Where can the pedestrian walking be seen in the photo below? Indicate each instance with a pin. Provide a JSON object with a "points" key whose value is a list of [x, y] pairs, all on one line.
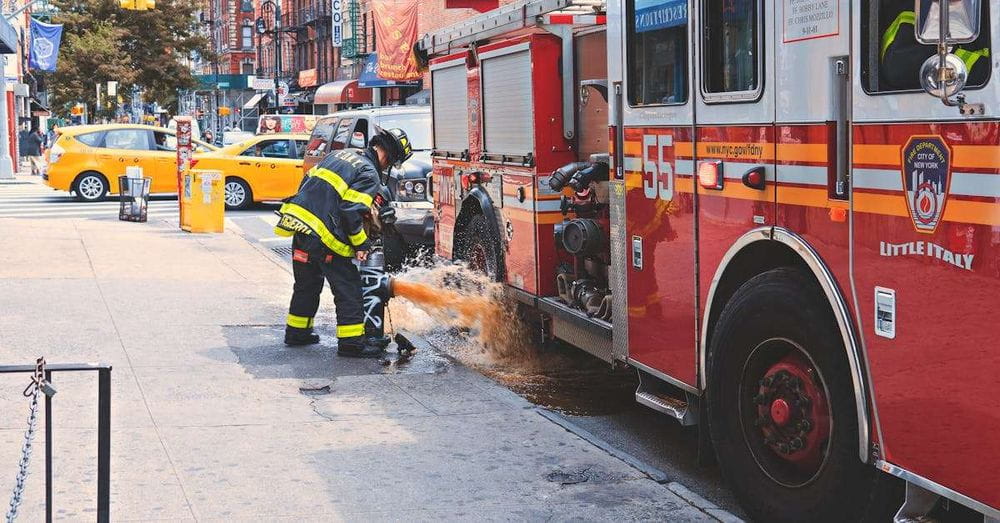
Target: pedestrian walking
{"points": [[209, 138], [53, 135], [33, 145], [326, 219]]}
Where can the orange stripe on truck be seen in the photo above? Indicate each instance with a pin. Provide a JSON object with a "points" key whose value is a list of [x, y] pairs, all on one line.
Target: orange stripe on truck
{"points": [[976, 156]]}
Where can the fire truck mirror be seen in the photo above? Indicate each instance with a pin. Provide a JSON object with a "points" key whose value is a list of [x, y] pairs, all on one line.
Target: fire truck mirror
{"points": [[943, 84], [961, 17]]}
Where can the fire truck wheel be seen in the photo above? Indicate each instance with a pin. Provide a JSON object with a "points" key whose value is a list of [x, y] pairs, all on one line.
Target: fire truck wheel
{"points": [[394, 247], [478, 247], [781, 404]]}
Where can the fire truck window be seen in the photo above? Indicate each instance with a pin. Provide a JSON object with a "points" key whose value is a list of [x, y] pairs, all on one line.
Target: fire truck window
{"points": [[657, 52], [892, 57], [732, 46]]}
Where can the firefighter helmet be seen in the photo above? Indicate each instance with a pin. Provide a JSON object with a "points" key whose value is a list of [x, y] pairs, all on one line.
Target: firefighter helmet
{"points": [[395, 143]]}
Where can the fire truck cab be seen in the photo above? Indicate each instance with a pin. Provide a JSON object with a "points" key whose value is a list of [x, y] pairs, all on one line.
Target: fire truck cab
{"points": [[784, 214]]}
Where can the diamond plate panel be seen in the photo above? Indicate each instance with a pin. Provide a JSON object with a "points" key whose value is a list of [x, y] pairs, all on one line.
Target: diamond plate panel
{"points": [[619, 271]]}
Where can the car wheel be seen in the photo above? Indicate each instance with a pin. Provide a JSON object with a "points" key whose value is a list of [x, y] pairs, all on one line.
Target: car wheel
{"points": [[781, 404], [478, 247], [90, 187], [238, 195]]}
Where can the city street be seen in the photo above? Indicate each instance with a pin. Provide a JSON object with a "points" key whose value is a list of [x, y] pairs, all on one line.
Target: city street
{"points": [[213, 418]]}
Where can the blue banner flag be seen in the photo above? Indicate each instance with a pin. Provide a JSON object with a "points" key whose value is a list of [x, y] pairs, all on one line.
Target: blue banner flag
{"points": [[45, 39], [651, 15]]}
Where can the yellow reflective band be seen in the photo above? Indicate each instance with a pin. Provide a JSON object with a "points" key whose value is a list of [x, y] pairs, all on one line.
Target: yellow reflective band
{"points": [[341, 186], [299, 213], [282, 232], [359, 238], [350, 331], [906, 17], [299, 322], [971, 57]]}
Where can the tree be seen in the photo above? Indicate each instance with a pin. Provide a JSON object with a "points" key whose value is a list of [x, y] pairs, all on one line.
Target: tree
{"points": [[148, 49], [86, 59]]}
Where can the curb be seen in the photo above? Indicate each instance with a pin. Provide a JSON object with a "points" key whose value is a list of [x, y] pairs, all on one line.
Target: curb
{"points": [[653, 473], [650, 471]]}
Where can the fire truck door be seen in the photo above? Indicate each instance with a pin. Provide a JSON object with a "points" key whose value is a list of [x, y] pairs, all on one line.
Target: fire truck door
{"points": [[812, 115], [926, 218], [735, 153], [658, 165]]}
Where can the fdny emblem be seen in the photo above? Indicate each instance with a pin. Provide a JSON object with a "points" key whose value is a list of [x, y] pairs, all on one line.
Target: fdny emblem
{"points": [[926, 180]]}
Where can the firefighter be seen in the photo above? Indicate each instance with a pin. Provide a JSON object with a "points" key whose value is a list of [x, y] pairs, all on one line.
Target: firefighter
{"points": [[900, 55], [326, 218]]}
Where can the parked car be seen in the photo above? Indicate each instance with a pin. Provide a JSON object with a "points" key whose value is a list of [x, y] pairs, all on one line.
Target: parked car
{"points": [[409, 184], [88, 159], [262, 168]]}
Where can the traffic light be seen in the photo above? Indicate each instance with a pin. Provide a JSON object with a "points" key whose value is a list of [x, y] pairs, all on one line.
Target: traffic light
{"points": [[224, 111], [137, 5], [76, 110]]}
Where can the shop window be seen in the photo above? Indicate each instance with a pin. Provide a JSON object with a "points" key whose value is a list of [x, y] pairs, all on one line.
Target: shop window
{"points": [[657, 43], [732, 49]]}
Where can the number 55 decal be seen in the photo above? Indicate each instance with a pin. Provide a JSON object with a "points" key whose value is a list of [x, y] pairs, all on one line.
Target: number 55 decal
{"points": [[658, 175]]}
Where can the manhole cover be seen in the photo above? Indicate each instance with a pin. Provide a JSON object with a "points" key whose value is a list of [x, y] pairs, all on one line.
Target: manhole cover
{"points": [[282, 251]]}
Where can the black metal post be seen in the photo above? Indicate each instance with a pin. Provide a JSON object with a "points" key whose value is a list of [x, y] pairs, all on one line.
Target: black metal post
{"points": [[104, 445], [48, 452], [103, 431], [277, 45]]}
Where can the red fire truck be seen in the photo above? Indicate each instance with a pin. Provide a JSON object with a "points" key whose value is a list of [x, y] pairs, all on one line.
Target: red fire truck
{"points": [[785, 224]]}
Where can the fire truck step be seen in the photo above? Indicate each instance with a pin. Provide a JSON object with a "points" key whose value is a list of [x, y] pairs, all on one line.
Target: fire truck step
{"points": [[668, 405]]}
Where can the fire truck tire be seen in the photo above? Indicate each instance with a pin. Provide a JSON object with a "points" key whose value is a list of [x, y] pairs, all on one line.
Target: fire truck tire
{"points": [[394, 247], [781, 406], [478, 247]]}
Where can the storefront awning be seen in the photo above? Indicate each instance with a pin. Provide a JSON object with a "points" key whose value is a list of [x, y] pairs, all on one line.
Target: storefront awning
{"points": [[342, 92], [254, 100]]}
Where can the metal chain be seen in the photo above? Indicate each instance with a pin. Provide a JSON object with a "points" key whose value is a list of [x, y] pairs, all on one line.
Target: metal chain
{"points": [[32, 390]]}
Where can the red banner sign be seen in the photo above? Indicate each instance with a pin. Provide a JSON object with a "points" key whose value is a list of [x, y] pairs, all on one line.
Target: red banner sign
{"points": [[395, 34], [479, 5]]}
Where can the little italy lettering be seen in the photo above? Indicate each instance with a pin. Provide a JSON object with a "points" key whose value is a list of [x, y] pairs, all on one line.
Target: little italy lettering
{"points": [[931, 250]]}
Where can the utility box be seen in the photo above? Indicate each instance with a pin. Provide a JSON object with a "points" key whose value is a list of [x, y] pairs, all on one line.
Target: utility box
{"points": [[202, 201]]}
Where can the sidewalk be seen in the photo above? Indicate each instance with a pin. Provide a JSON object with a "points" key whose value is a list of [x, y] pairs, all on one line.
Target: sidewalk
{"points": [[209, 419]]}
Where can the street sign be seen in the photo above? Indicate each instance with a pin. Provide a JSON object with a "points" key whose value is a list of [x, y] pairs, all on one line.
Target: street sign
{"points": [[338, 23], [263, 84], [282, 92]]}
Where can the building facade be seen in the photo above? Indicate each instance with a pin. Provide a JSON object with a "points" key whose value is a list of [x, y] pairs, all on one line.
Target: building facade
{"points": [[234, 40], [247, 35]]}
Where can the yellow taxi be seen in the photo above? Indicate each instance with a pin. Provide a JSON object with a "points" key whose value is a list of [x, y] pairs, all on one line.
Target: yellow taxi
{"points": [[88, 159], [267, 167]]}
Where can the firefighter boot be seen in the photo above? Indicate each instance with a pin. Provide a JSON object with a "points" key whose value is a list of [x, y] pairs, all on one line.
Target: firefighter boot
{"points": [[297, 337], [360, 350]]}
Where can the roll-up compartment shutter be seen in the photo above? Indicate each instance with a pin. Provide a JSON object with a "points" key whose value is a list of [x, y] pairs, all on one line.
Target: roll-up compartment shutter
{"points": [[508, 108], [450, 99]]}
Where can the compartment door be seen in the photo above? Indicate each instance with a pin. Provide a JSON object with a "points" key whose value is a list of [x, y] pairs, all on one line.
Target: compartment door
{"points": [[658, 168], [926, 218]]}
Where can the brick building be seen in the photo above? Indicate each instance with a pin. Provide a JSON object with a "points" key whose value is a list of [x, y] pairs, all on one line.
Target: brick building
{"points": [[308, 58], [231, 26]]}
